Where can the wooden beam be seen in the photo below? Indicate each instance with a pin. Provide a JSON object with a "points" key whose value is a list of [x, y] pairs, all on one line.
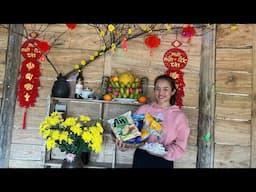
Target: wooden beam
{"points": [[206, 101], [12, 68], [253, 120]]}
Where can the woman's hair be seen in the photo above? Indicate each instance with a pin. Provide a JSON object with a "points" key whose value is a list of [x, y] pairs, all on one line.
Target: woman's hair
{"points": [[172, 84]]}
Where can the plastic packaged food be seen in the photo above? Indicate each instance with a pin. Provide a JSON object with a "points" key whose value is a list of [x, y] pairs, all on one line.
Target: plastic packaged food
{"points": [[123, 127]]}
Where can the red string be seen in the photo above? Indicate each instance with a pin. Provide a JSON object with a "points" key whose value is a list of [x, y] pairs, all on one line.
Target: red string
{"points": [[24, 119], [151, 52]]}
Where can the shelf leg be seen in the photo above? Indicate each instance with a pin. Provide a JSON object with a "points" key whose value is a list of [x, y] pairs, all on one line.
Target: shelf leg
{"points": [[114, 157]]}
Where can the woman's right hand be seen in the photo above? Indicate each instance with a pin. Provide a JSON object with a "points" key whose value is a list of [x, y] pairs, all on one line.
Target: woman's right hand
{"points": [[121, 146]]}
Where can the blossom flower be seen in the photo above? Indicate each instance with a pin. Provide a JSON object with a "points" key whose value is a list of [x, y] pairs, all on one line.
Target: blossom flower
{"points": [[73, 135]]}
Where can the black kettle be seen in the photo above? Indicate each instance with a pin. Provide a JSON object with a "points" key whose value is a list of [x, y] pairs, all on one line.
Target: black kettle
{"points": [[61, 87]]}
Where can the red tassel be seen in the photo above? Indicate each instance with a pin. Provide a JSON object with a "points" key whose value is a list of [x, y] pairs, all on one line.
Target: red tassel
{"points": [[24, 119]]}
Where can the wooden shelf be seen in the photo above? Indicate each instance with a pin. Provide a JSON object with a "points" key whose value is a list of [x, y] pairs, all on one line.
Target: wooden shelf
{"points": [[93, 101], [56, 163], [103, 110]]}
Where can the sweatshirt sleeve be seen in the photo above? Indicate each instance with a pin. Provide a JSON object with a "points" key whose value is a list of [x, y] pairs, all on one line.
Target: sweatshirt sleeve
{"points": [[177, 148]]}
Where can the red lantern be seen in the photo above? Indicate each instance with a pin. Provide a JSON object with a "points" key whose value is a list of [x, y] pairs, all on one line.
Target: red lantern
{"points": [[44, 46], [188, 31], [152, 41]]}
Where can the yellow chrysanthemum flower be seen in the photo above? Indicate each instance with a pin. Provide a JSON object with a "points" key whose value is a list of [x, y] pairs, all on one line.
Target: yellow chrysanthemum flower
{"points": [[85, 118], [50, 144], [73, 135], [76, 129]]}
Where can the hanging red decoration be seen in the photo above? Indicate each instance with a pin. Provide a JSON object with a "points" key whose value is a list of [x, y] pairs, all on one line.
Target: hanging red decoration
{"points": [[29, 82], [30, 50], [188, 31], [152, 41], [71, 26], [124, 44], [175, 58], [44, 46], [177, 75]]}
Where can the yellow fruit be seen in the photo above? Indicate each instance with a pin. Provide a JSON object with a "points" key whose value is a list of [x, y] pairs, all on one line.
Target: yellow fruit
{"points": [[137, 80], [126, 78], [115, 79]]}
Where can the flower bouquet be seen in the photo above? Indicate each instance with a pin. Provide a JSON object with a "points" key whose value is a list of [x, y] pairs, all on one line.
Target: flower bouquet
{"points": [[73, 135]]}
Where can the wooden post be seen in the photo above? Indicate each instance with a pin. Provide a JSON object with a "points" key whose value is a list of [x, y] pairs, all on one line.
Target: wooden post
{"points": [[206, 101], [12, 67], [253, 123]]}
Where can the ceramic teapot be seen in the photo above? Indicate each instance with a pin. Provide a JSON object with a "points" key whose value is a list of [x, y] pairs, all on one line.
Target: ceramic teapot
{"points": [[86, 93]]}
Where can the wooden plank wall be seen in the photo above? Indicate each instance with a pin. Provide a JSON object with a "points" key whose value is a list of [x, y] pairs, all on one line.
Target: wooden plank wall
{"points": [[138, 61], [27, 149], [234, 55], [70, 50]]}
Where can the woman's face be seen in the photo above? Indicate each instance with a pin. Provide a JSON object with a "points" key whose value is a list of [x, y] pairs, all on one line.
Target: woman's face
{"points": [[163, 91]]}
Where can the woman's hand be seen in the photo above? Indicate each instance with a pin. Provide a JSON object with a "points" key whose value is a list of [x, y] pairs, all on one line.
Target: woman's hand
{"points": [[121, 146]]}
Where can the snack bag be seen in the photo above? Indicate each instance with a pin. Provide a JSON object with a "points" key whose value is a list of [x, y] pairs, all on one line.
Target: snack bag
{"points": [[151, 125], [138, 120], [123, 127]]}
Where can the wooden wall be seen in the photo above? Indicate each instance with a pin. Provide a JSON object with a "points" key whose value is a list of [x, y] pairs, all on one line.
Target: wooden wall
{"points": [[234, 87]]}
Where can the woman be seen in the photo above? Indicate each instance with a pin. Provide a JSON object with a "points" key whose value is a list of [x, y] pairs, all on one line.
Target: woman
{"points": [[175, 130]]}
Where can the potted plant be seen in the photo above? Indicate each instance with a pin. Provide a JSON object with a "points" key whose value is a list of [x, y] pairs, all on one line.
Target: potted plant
{"points": [[74, 135]]}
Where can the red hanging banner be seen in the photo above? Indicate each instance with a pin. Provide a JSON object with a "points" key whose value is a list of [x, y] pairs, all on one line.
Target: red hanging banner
{"points": [[29, 82], [176, 59]]}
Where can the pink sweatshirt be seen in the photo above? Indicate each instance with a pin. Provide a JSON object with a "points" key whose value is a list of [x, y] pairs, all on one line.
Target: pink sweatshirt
{"points": [[175, 129]]}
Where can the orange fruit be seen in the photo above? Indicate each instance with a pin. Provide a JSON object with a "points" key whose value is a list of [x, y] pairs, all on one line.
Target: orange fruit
{"points": [[107, 97], [142, 99]]}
